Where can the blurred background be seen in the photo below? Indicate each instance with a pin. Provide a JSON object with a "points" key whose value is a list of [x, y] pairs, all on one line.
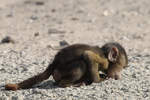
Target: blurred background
{"points": [[77, 21]]}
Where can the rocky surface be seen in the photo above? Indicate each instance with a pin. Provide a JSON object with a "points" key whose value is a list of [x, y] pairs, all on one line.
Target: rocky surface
{"points": [[39, 28]]}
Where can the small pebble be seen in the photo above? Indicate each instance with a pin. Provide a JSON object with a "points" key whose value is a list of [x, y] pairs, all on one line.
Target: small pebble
{"points": [[63, 43], [39, 3], [27, 2], [106, 13], [74, 19], [53, 10], [55, 31], [7, 39], [36, 34], [9, 15], [34, 17]]}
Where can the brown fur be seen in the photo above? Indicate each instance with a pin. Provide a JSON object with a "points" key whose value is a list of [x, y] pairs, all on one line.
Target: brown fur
{"points": [[80, 64], [69, 67]]}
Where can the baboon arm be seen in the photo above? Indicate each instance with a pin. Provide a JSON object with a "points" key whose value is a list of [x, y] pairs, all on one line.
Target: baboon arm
{"points": [[95, 57], [93, 61]]}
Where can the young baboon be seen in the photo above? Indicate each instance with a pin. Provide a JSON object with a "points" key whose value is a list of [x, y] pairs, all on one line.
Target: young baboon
{"points": [[78, 64], [71, 66]]}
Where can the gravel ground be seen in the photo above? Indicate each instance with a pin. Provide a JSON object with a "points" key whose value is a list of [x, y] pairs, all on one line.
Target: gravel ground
{"points": [[40, 27]]}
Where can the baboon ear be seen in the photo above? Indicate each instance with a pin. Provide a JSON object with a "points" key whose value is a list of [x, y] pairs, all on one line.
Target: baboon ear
{"points": [[113, 54]]}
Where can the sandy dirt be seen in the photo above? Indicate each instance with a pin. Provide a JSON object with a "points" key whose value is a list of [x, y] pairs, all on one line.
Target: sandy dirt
{"points": [[38, 27]]}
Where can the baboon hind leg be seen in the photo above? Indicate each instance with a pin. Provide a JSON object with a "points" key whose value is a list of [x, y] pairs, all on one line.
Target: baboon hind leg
{"points": [[74, 75]]}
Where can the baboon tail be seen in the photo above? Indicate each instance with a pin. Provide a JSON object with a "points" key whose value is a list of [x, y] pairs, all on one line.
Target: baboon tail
{"points": [[31, 81]]}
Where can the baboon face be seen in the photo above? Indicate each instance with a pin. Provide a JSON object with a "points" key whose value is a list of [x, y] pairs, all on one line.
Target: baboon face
{"points": [[114, 73]]}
